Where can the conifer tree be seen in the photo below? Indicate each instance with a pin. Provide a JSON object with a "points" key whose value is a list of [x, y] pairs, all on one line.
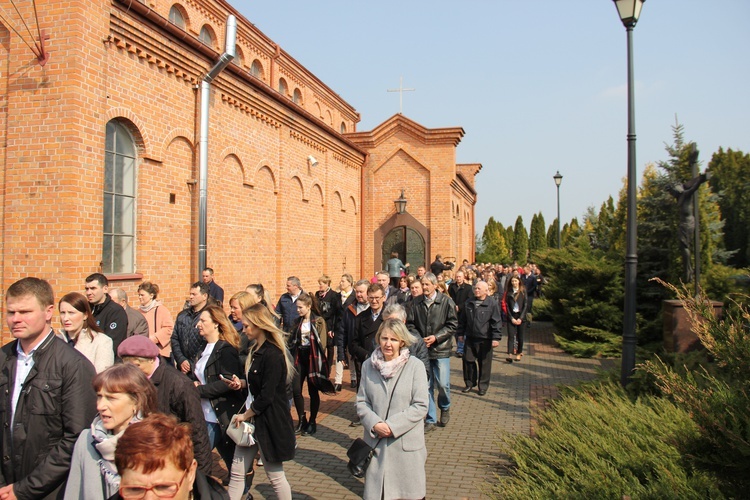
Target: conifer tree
{"points": [[552, 235], [537, 236], [520, 242], [731, 181]]}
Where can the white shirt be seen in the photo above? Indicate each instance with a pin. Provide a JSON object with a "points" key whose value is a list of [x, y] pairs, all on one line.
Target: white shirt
{"points": [[200, 373], [305, 331], [23, 367]]}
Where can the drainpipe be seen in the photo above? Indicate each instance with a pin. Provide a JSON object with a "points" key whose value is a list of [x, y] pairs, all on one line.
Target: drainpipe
{"points": [[224, 60]]}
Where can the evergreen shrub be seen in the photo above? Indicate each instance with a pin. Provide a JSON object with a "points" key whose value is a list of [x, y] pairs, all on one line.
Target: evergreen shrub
{"points": [[595, 442]]}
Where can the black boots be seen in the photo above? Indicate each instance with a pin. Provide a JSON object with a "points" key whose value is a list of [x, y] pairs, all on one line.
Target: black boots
{"points": [[311, 428], [301, 425]]}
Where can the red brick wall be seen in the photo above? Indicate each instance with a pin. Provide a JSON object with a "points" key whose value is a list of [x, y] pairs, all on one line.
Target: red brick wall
{"points": [[270, 214]]}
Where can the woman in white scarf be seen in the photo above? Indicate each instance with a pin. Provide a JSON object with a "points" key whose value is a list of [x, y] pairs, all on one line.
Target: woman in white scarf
{"points": [[392, 404], [123, 396]]}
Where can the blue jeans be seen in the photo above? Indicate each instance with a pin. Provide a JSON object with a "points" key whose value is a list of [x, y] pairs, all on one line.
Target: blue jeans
{"points": [[224, 445], [440, 372]]}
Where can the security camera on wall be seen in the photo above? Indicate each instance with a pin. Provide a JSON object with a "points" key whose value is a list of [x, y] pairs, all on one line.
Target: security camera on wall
{"points": [[313, 162]]}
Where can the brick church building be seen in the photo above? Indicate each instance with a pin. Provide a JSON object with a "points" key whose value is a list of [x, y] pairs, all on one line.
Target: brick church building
{"points": [[100, 157]]}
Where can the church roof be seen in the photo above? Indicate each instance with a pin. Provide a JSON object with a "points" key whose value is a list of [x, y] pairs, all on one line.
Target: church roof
{"points": [[400, 123]]}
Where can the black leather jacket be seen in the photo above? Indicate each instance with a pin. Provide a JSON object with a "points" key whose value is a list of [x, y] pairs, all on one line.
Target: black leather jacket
{"points": [[439, 320], [56, 403], [481, 320]]}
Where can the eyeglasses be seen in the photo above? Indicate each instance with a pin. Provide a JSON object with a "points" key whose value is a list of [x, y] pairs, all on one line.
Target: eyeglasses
{"points": [[161, 490], [377, 299]]}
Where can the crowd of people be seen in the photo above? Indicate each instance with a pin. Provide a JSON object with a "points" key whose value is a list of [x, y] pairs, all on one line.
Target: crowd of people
{"points": [[123, 401]]}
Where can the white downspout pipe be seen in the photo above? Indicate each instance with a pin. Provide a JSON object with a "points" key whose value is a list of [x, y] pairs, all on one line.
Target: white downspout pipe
{"points": [[224, 60]]}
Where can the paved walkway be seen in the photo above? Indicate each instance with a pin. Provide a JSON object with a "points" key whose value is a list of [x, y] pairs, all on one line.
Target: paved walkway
{"points": [[460, 455]]}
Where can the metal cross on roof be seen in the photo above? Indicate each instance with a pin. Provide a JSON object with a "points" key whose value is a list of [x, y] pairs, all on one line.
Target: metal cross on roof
{"points": [[401, 91]]}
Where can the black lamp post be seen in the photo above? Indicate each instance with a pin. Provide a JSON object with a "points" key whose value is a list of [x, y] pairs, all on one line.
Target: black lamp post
{"points": [[558, 181], [400, 203], [629, 11]]}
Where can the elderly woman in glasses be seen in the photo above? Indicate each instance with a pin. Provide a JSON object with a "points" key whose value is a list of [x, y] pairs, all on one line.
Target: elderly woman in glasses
{"points": [[154, 458]]}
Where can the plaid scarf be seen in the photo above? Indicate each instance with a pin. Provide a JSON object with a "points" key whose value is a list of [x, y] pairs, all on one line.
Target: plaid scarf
{"points": [[318, 369]]}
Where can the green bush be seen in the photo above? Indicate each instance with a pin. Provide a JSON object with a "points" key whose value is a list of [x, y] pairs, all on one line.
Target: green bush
{"points": [[596, 443], [584, 299], [542, 309], [716, 393]]}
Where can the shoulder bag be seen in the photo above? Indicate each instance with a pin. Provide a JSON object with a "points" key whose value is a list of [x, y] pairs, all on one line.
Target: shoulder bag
{"points": [[242, 435], [360, 453]]}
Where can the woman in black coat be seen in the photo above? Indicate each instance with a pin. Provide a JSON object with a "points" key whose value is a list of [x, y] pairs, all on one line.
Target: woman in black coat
{"points": [[220, 358], [268, 374], [515, 302]]}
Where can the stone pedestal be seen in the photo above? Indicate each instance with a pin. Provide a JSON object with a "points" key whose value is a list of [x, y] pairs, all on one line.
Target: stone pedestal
{"points": [[678, 337]]}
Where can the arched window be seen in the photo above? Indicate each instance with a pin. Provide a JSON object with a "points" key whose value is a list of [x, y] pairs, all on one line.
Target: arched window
{"points": [[256, 69], [176, 17], [207, 36], [297, 97], [118, 251], [239, 57], [283, 87], [342, 129]]}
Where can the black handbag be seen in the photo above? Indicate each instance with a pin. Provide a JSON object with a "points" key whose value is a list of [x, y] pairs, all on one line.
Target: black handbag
{"points": [[360, 453]]}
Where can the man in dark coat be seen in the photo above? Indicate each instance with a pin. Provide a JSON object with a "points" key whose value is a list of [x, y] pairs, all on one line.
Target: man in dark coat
{"points": [[328, 303], [214, 290], [46, 396], [439, 266], [367, 323], [481, 327], [460, 292], [176, 394], [187, 343], [110, 317], [349, 325], [433, 317]]}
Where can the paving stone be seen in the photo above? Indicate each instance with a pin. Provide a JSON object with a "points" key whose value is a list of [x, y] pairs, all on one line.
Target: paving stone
{"points": [[462, 457]]}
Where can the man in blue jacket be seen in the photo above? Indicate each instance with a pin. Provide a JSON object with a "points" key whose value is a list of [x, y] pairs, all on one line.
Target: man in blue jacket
{"points": [[287, 307]]}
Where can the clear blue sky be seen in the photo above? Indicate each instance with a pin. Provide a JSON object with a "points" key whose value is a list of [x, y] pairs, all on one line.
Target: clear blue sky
{"points": [[538, 86]]}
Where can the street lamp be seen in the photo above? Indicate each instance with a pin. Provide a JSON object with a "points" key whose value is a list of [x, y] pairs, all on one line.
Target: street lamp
{"points": [[629, 11], [558, 181], [400, 204]]}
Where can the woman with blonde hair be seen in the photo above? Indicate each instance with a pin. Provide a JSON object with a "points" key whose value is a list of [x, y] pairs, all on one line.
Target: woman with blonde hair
{"points": [[219, 360], [392, 404], [238, 303], [268, 373], [80, 329]]}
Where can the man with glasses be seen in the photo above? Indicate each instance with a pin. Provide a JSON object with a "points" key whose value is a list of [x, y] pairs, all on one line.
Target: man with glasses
{"points": [[367, 323], [433, 317]]}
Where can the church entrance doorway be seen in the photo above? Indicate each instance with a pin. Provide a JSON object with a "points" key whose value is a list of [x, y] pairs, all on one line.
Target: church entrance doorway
{"points": [[409, 245]]}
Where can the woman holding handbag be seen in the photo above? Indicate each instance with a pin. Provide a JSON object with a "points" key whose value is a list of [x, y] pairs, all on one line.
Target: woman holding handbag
{"points": [[269, 372], [392, 404]]}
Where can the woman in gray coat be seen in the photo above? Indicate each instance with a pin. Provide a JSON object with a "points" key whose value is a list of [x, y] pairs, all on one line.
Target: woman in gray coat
{"points": [[397, 469]]}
